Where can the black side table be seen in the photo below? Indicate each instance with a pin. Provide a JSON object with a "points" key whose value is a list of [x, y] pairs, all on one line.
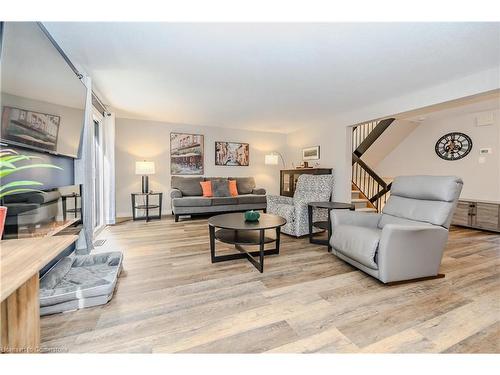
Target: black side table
{"points": [[74, 210], [324, 224], [146, 206]]}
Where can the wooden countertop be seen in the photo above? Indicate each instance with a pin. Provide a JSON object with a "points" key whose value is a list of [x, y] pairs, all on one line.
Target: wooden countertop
{"points": [[21, 259]]}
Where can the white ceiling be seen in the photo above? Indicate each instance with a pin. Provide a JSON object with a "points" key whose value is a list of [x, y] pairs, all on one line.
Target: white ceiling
{"points": [[490, 103], [32, 68], [273, 77]]}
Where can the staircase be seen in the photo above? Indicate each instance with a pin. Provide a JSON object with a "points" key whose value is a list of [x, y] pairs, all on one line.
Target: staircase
{"points": [[360, 201], [369, 190]]}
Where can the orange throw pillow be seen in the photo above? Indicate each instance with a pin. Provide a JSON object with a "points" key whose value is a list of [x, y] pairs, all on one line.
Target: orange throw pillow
{"points": [[206, 186], [232, 188]]}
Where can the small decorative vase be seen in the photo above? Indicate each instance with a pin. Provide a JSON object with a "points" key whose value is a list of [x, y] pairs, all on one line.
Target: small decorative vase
{"points": [[252, 216]]}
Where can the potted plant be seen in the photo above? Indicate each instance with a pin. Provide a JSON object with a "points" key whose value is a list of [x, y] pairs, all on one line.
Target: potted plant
{"points": [[9, 160]]}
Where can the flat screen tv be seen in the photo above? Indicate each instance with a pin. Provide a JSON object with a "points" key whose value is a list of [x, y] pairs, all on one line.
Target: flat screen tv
{"points": [[42, 99]]}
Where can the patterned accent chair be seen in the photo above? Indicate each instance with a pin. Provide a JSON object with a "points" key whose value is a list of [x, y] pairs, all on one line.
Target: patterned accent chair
{"points": [[310, 188]]}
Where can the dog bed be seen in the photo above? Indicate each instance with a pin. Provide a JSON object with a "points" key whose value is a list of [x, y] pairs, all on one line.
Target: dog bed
{"points": [[80, 281]]}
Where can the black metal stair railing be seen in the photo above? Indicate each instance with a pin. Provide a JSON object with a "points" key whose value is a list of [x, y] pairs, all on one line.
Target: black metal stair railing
{"points": [[369, 183]]}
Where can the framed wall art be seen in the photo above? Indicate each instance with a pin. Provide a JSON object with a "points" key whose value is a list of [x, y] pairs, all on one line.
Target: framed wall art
{"points": [[186, 154], [232, 154], [310, 153]]}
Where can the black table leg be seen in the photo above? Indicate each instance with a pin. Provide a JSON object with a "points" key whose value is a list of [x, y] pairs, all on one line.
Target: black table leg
{"points": [[251, 256], [211, 229], [76, 208], [278, 234], [329, 231], [261, 249], [64, 207], [147, 208], [133, 207], [159, 204], [310, 218]]}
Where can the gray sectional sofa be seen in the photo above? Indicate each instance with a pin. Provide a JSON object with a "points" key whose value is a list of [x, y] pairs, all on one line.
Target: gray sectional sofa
{"points": [[29, 210], [187, 197]]}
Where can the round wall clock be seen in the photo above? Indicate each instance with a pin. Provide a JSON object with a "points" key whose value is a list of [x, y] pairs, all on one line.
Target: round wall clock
{"points": [[453, 146]]}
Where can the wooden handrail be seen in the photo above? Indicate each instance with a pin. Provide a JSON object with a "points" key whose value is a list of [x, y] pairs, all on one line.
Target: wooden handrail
{"points": [[369, 183], [370, 171], [381, 193], [373, 136]]}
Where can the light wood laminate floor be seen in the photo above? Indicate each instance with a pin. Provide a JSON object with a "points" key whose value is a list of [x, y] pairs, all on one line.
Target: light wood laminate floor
{"points": [[170, 298]]}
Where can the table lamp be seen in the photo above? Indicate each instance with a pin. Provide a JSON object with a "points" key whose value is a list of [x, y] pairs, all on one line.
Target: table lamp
{"points": [[145, 168]]}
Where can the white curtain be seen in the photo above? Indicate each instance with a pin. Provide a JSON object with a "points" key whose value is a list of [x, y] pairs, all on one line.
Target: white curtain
{"points": [[84, 168], [109, 168]]}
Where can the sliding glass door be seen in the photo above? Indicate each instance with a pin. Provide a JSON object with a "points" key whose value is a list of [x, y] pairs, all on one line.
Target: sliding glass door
{"points": [[98, 175]]}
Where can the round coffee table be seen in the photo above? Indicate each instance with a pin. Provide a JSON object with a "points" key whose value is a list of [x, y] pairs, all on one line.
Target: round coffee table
{"points": [[233, 229]]}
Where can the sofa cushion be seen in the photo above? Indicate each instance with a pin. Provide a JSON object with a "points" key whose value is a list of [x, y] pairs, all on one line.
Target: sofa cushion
{"points": [[260, 191], [357, 243], [44, 197], [36, 197], [389, 219], [189, 186], [192, 202], [220, 188], [215, 178], [16, 198], [433, 212], [14, 209], [245, 185], [233, 189], [206, 187], [429, 199], [221, 201], [431, 188], [251, 198]]}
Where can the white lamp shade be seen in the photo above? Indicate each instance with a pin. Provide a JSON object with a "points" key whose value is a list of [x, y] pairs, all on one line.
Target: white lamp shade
{"points": [[144, 167], [271, 159]]}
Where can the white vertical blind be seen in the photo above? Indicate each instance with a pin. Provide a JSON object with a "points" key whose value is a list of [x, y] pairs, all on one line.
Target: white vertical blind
{"points": [[109, 168], [84, 168]]}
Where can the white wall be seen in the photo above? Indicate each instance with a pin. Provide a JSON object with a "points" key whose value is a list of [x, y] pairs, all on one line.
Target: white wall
{"points": [[388, 141], [416, 155], [333, 137], [149, 140], [335, 152], [138, 139]]}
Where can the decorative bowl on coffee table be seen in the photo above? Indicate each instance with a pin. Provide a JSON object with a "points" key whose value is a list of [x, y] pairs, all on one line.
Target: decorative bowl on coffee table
{"points": [[252, 215]]}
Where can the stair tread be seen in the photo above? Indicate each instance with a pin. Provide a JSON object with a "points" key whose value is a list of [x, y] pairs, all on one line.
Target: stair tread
{"points": [[366, 209], [359, 200]]}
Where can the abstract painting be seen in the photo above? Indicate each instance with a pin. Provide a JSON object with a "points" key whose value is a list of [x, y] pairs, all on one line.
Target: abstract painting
{"points": [[232, 154]]}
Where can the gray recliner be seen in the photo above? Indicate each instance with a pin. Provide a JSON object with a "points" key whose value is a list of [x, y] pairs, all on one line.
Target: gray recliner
{"points": [[405, 241]]}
